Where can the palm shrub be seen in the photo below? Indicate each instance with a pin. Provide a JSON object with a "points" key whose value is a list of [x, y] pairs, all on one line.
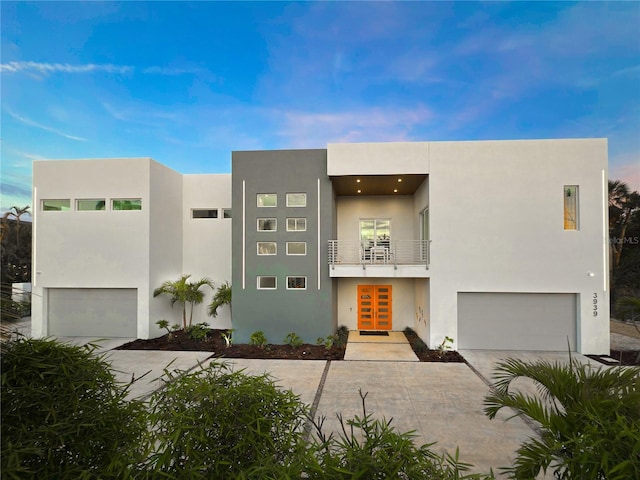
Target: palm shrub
{"points": [[184, 292], [218, 423], [63, 414], [588, 419], [220, 298]]}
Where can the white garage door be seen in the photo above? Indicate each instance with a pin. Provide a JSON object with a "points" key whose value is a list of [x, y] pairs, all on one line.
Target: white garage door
{"points": [[517, 321], [93, 312]]}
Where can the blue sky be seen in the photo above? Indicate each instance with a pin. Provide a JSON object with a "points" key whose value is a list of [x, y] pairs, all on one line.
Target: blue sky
{"points": [[187, 83]]}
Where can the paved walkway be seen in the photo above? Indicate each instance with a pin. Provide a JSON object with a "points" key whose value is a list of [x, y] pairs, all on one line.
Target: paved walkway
{"points": [[391, 347]]}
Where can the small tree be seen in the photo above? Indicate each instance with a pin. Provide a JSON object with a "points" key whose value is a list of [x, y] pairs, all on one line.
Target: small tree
{"points": [[221, 297], [184, 292]]}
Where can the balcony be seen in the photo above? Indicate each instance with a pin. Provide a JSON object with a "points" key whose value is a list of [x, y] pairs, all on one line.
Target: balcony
{"points": [[399, 258]]}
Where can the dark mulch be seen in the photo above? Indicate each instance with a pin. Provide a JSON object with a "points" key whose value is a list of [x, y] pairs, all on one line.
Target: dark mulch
{"points": [[627, 358], [215, 344]]}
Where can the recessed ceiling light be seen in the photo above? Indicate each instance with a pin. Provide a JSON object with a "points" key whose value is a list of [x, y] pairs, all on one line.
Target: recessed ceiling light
{"points": [[399, 180], [358, 180], [395, 190], [359, 191]]}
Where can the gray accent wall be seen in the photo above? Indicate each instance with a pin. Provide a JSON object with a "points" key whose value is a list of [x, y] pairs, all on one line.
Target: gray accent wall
{"points": [[310, 313]]}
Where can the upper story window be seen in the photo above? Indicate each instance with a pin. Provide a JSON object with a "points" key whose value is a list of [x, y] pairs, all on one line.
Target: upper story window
{"points": [[126, 204], [296, 248], [296, 283], [226, 213], [204, 213], [56, 205], [267, 200], [267, 282], [267, 248], [85, 205], [296, 224], [267, 224], [296, 199], [571, 207]]}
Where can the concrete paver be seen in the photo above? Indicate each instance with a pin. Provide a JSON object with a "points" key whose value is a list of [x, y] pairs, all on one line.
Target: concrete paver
{"points": [[392, 347]]}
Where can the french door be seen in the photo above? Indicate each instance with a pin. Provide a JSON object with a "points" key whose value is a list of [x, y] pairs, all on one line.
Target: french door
{"points": [[374, 307]]}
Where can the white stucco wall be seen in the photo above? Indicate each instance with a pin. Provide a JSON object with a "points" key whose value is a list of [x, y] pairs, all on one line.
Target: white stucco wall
{"points": [[399, 209], [207, 241], [90, 249], [377, 158], [165, 245], [496, 211]]}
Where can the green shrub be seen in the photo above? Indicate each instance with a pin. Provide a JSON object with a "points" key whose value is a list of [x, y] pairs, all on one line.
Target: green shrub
{"points": [[63, 415], [258, 339], [215, 423], [293, 339], [341, 336], [371, 449], [198, 331], [589, 419]]}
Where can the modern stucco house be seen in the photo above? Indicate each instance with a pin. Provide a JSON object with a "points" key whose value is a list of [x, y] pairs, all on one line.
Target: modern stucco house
{"points": [[497, 244]]}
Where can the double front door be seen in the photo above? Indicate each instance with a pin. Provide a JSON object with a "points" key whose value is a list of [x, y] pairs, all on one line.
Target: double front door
{"points": [[374, 307]]}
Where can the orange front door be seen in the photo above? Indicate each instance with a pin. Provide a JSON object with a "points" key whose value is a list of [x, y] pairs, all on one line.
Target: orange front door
{"points": [[374, 307]]}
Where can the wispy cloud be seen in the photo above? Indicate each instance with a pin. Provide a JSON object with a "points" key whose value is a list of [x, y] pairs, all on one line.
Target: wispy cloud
{"points": [[32, 123], [41, 68], [49, 68]]}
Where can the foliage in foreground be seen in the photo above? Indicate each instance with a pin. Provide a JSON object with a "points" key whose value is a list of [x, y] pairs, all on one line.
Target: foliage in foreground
{"points": [[218, 423], [63, 415], [589, 419]]}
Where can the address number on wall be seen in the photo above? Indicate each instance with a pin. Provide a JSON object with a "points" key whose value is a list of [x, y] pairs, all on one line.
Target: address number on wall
{"points": [[595, 304]]}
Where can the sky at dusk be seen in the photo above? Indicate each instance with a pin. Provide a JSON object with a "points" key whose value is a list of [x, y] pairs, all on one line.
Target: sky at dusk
{"points": [[188, 83]]}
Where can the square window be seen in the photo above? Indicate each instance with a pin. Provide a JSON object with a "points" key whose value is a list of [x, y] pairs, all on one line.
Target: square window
{"points": [[296, 283], [296, 199], [56, 205], [296, 248], [267, 282], [296, 224], [226, 213], [267, 224], [204, 213], [267, 200], [267, 248], [87, 205], [126, 204], [571, 207]]}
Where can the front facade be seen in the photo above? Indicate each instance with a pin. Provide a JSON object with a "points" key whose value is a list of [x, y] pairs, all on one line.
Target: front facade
{"points": [[496, 244]]}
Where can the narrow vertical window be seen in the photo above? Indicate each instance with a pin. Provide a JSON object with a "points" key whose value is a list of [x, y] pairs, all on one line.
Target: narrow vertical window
{"points": [[571, 207]]}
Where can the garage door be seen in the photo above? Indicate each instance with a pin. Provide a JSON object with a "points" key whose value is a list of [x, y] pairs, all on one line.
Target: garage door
{"points": [[517, 321], [93, 312]]}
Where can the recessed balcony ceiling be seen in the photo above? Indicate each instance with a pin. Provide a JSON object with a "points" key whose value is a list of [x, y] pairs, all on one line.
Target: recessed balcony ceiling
{"points": [[353, 185]]}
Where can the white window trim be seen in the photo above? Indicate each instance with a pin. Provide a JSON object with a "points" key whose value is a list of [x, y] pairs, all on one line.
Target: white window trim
{"points": [[296, 193], [266, 254], [266, 206], [297, 276], [297, 254], [275, 223], [296, 219], [266, 288]]}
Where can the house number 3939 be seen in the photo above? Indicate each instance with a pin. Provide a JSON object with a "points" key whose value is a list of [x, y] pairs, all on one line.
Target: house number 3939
{"points": [[595, 304]]}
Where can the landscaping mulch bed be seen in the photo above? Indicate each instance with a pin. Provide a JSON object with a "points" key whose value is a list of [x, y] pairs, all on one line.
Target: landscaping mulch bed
{"points": [[627, 358], [214, 343]]}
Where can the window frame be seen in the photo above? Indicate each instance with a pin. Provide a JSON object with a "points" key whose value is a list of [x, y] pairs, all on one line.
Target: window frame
{"points": [[275, 224], [291, 195], [227, 213], [571, 206], [260, 277], [274, 195], [62, 207], [295, 219], [296, 254], [94, 200], [275, 244], [296, 276], [193, 210], [129, 199]]}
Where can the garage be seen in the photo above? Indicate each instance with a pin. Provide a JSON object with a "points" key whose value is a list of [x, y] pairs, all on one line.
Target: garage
{"points": [[517, 321], [92, 312]]}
